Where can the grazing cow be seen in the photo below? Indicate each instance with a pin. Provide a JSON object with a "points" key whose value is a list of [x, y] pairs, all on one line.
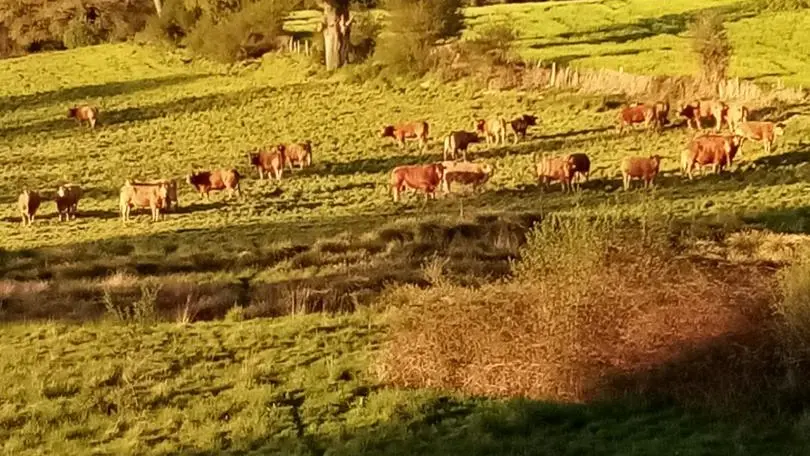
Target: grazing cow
{"points": [[67, 201], [459, 141], [417, 177], [645, 168], [493, 129], [735, 115], [28, 203], [698, 110], [265, 161], [554, 169], [218, 179], [84, 113], [300, 153], [580, 166], [521, 124], [662, 113], [171, 190], [475, 174], [152, 196], [638, 113], [764, 132], [408, 130], [715, 150]]}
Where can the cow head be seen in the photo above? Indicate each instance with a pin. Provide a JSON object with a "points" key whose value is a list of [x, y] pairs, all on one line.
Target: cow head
{"points": [[656, 161], [487, 169], [253, 158], [163, 194], [191, 178], [779, 129], [480, 125], [72, 112], [439, 168], [530, 120], [61, 191], [281, 148], [387, 131]]}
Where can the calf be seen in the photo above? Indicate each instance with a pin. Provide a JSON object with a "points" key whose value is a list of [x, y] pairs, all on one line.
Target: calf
{"points": [[736, 114], [636, 114], [493, 129], [171, 190], [459, 141], [67, 201], [580, 166], [409, 130], [152, 196], [645, 168], [28, 203], [521, 124], [764, 132], [300, 153], [467, 173], [715, 150], [265, 161], [218, 179], [417, 177], [84, 113], [554, 169], [698, 110]]}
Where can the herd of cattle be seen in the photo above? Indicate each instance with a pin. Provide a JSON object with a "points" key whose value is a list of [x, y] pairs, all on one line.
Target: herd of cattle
{"points": [[713, 149]]}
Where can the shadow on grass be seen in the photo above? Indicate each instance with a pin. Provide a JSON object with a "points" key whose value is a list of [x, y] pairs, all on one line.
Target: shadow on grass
{"points": [[76, 94]]}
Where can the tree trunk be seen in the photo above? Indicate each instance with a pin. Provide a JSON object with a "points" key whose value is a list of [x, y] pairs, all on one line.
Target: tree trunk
{"points": [[337, 24], [159, 7]]}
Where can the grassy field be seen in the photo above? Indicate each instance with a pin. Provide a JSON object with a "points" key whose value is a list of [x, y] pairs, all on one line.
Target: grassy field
{"points": [[329, 238]]}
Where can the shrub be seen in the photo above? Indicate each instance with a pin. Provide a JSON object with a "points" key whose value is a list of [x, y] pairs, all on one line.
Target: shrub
{"points": [[80, 33], [414, 27], [794, 310], [495, 42], [365, 32], [175, 23], [784, 5], [710, 42]]}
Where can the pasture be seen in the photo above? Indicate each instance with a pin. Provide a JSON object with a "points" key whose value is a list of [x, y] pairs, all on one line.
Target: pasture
{"points": [[330, 238]]}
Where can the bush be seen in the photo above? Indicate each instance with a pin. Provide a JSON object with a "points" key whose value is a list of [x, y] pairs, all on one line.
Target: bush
{"points": [[175, 23], [79, 33], [794, 310], [414, 28], [710, 42], [365, 32], [495, 42], [784, 5]]}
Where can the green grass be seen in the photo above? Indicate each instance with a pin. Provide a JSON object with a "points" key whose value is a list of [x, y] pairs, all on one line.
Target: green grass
{"points": [[303, 386]]}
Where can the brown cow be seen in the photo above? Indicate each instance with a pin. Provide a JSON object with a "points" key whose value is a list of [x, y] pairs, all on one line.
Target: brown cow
{"points": [[698, 110], [493, 129], [417, 177], [218, 179], [638, 113], [715, 150], [662, 113], [475, 174], [521, 124], [580, 166], [764, 132], [408, 130], [265, 161], [554, 169], [67, 201], [300, 153], [645, 168], [84, 113], [171, 190], [152, 196], [459, 141], [28, 203], [735, 115]]}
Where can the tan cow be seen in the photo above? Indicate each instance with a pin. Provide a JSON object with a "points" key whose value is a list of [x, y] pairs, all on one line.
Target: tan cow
{"points": [[764, 132], [551, 169], [637, 114], [493, 129], [459, 141], [717, 151], [67, 201], [84, 113], [475, 174], [218, 179], [272, 161], [171, 190], [300, 153], [152, 196], [644, 168], [28, 203], [736, 114], [698, 110], [409, 130], [417, 177]]}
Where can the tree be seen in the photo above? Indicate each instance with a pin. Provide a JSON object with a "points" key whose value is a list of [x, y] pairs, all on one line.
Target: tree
{"points": [[710, 42], [158, 7], [336, 27]]}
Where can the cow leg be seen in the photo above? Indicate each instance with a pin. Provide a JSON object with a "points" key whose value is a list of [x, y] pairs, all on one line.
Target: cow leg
{"points": [[626, 182]]}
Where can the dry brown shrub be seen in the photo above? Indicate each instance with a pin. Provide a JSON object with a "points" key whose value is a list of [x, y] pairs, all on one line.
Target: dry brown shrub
{"points": [[593, 309]]}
